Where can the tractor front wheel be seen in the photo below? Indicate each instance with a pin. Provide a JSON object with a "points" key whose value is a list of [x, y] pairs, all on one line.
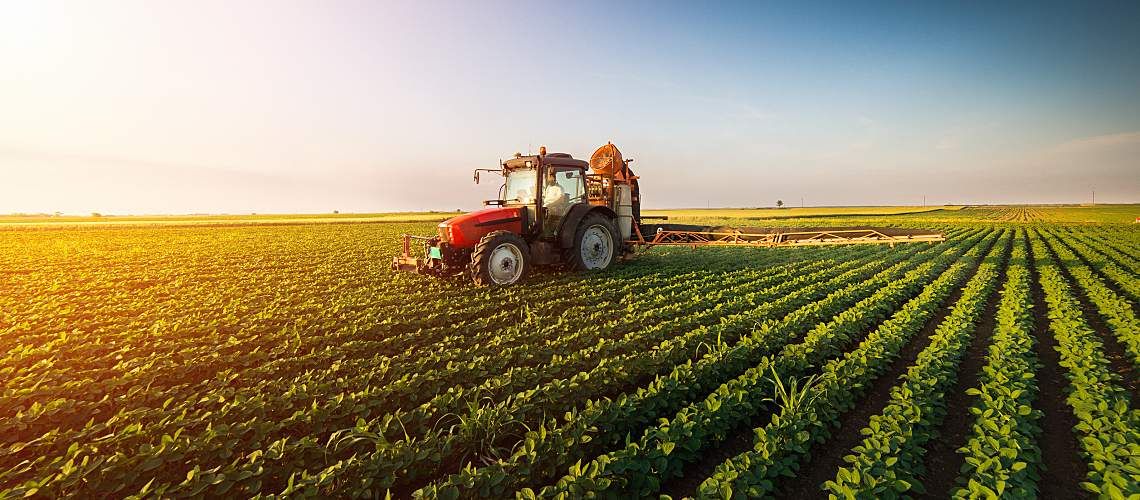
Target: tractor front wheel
{"points": [[500, 258]]}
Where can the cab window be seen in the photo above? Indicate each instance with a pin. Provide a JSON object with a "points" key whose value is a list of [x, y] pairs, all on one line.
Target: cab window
{"points": [[572, 184]]}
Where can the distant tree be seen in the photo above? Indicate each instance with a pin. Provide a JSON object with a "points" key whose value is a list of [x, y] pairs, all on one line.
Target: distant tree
{"points": [[96, 214], [336, 211], [779, 203]]}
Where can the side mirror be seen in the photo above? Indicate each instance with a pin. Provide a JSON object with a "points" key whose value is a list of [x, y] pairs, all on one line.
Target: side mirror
{"points": [[476, 176]]}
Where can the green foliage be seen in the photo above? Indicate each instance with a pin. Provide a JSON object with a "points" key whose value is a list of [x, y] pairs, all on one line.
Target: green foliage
{"points": [[888, 463], [288, 360], [639, 467], [1002, 457], [780, 446], [1106, 423]]}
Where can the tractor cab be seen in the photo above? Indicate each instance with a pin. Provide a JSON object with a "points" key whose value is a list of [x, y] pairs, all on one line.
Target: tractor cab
{"points": [[546, 186]]}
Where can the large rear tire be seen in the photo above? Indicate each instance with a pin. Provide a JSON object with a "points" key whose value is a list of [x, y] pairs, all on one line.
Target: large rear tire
{"points": [[596, 245], [501, 258]]}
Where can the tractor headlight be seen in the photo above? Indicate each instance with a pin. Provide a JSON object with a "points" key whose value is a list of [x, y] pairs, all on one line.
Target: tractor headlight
{"points": [[450, 233]]}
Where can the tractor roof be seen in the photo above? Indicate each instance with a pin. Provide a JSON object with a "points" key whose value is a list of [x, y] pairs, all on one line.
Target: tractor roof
{"points": [[559, 159]]}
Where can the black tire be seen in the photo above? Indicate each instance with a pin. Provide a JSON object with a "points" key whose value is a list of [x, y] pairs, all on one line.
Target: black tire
{"points": [[576, 259], [495, 263]]}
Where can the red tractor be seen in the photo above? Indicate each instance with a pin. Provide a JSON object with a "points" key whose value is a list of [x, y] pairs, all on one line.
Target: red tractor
{"points": [[554, 210], [550, 212]]}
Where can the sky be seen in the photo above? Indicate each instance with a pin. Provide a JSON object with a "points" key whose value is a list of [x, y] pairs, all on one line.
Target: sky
{"points": [[142, 107]]}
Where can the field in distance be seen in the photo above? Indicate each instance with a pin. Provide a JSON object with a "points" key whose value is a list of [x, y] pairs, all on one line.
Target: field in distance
{"points": [[739, 216], [792, 212], [207, 358], [219, 219]]}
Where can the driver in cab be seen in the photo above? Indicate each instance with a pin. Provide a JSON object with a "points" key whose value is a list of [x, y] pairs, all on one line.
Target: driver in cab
{"points": [[553, 196], [525, 196]]}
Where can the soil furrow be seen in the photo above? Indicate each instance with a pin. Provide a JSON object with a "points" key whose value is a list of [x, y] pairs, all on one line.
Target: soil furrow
{"points": [[942, 459], [1082, 256], [827, 457], [1118, 359], [741, 438], [1059, 452]]}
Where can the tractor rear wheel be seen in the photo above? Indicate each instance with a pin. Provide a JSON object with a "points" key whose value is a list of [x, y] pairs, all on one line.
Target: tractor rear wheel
{"points": [[595, 244], [500, 258]]}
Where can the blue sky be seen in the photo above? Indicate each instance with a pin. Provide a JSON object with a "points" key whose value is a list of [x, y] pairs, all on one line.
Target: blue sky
{"points": [[174, 107]]}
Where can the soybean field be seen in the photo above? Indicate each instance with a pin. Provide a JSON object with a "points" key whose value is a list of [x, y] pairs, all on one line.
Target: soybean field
{"points": [[226, 359]]}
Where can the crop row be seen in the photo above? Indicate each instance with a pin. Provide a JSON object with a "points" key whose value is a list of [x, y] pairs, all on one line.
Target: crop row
{"points": [[808, 418], [786, 441], [661, 453], [1001, 454], [1115, 249], [1106, 424], [889, 461], [605, 421], [285, 399], [1095, 254], [122, 392], [349, 336], [290, 361], [527, 394], [220, 441], [1116, 311]]}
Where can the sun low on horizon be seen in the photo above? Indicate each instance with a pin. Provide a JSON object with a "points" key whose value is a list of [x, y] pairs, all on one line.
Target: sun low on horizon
{"points": [[136, 107]]}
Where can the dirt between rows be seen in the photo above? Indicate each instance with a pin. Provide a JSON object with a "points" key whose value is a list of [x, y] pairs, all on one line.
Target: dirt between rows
{"points": [[741, 438], [942, 461], [1059, 454], [827, 457]]}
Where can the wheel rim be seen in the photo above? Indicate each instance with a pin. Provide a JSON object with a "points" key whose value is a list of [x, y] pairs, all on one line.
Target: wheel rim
{"points": [[505, 265], [597, 247]]}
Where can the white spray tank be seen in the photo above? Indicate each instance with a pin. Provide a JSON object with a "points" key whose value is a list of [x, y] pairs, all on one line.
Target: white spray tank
{"points": [[624, 196]]}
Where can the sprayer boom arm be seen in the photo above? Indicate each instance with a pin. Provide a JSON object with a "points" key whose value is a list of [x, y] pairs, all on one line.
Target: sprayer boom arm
{"points": [[675, 234]]}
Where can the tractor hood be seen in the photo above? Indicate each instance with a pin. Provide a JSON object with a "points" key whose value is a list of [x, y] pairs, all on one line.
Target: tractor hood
{"points": [[464, 231]]}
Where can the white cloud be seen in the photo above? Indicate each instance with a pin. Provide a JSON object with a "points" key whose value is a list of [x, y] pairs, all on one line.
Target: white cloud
{"points": [[1097, 143]]}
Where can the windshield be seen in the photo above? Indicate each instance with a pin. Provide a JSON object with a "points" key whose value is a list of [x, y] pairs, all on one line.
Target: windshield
{"points": [[520, 186]]}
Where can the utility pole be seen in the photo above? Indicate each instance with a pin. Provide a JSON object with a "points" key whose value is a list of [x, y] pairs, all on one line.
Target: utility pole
{"points": [[924, 201], [1094, 196], [801, 202]]}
